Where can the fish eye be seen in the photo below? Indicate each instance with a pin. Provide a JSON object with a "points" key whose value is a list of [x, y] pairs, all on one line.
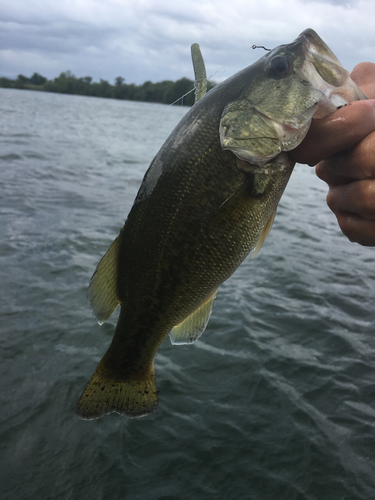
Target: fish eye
{"points": [[279, 67]]}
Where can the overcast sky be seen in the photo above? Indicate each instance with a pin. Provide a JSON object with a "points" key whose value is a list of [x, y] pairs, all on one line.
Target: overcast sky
{"points": [[144, 40]]}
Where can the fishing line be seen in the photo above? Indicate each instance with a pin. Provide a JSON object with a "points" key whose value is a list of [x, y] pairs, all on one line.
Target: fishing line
{"points": [[238, 57], [179, 99], [222, 69]]}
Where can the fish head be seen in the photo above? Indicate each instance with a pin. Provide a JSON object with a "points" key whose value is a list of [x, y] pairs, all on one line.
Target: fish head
{"points": [[288, 87]]}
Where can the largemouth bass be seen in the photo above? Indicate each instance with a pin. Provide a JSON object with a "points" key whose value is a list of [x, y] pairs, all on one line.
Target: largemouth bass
{"points": [[208, 198]]}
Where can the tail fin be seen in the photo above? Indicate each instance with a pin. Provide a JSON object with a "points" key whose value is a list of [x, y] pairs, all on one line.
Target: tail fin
{"points": [[106, 393]]}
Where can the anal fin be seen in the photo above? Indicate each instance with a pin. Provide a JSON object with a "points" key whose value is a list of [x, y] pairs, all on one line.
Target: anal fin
{"points": [[192, 327]]}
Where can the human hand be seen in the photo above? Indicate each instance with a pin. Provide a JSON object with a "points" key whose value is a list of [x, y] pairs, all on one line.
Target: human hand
{"points": [[344, 145]]}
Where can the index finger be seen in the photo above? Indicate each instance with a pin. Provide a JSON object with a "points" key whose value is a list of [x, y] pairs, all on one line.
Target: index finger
{"points": [[350, 165], [337, 132]]}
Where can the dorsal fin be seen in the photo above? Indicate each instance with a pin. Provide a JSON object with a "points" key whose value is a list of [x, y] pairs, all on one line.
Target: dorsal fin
{"points": [[102, 292], [265, 232], [200, 76], [192, 327]]}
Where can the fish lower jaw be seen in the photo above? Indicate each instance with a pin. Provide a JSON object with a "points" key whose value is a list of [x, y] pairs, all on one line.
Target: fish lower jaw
{"points": [[280, 163], [248, 160]]}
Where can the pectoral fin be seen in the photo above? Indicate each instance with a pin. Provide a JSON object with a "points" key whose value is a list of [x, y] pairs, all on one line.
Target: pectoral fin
{"points": [[192, 327], [238, 205], [102, 292], [266, 231]]}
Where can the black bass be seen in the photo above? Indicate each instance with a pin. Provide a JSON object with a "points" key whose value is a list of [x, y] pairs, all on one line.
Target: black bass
{"points": [[208, 198]]}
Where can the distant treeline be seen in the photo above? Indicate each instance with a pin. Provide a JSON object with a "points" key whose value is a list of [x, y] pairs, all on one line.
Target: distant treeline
{"points": [[165, 92]]}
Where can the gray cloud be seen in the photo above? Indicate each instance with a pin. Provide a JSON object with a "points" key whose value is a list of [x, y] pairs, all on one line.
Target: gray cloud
{"points": [[150, 40]]}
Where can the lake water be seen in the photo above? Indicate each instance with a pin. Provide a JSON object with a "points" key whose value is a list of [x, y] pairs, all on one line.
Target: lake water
{"points": [[275, 401]]}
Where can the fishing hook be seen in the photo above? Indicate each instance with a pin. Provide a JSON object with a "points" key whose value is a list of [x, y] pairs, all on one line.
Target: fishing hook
{"points": [[260, 47]]}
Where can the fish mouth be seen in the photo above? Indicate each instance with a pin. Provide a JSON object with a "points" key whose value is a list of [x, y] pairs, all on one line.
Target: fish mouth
{"points": [[324, 71], [256, 132]]}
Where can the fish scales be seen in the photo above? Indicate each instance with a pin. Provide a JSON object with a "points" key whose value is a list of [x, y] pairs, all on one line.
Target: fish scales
{"points": [[208, 198]]}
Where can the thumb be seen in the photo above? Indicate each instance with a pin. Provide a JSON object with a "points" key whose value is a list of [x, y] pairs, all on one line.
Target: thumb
{"points": [[364, 76]]}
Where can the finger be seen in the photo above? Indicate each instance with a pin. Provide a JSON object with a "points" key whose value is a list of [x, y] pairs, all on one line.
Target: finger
{"points": [[357, 229], [364, 76], [337, 132], [350, 165], [353, 205], [356, 198]]}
